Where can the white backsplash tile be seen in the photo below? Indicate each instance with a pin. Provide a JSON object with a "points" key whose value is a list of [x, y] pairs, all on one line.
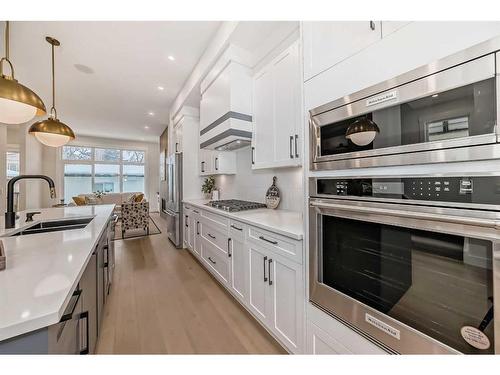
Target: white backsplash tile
{"points": [[252, 185]]}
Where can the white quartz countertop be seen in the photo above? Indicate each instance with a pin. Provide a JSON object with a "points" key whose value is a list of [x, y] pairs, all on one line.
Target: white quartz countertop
{"points": [[43, 269], [284, 222]]}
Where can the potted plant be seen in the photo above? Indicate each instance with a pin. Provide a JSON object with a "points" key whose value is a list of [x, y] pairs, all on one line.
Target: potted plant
{"points": [[208, 187]]}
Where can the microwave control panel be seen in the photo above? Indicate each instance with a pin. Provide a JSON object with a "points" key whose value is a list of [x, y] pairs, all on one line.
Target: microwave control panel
{"points": [[480, 190]]}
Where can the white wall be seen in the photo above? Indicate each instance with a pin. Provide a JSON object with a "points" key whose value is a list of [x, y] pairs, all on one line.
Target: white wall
{"points": [[3, 168], [32, 191], [252, 185], [53, 166]]}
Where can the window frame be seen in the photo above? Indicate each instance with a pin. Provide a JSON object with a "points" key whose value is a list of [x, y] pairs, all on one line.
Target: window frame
{"points": [[92, 162]]}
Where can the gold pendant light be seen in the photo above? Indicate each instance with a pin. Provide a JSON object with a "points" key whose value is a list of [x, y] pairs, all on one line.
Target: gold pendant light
{"points": [[18, 104], [52, 132]]}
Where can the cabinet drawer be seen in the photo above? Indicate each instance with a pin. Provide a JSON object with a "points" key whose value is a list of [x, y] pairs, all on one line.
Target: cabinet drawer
{"points": [[237, 229], [215, 220], [214, 235], [217, 262], [280, 244]]}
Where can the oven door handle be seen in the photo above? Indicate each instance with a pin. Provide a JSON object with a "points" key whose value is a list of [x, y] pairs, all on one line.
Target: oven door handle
{"points": [[325, 206]]}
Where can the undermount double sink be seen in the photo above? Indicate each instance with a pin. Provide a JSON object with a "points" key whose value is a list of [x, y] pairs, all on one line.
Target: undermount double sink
{"points": [[53, 226]]}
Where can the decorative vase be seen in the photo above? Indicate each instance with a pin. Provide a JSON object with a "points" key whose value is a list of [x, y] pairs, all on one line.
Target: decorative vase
{"points": [[273, 195]]}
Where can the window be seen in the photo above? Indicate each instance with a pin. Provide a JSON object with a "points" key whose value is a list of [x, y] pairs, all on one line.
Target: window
{"points": [[108, 170], [77, 180], [13, 166], [133, 178]]}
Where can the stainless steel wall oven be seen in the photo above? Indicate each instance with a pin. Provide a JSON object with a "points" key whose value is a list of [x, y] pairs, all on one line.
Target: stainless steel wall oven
{"points": [[413, 262], [445, 111]]}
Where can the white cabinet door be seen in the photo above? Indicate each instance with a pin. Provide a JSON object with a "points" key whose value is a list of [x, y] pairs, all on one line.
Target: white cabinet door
{"points": [[277, 112], [178, 138], [192, 232], [187, 222], [197, 236], [259, 290], [287, 104], [224, 162], [238, 257], [205, 162], [263, 121], [329, 42], [287, 298]]}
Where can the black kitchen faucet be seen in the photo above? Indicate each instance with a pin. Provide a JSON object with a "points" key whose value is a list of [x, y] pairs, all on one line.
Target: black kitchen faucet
{"points": [[10, 215]]}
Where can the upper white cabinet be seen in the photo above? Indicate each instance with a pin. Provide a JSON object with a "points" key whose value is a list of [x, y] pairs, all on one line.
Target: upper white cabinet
{"points": [[216, 162], [277, 130], [327, 43]]}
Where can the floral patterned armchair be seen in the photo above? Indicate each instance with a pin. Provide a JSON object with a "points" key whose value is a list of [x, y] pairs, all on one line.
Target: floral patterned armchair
{"points": [[135, 216]]}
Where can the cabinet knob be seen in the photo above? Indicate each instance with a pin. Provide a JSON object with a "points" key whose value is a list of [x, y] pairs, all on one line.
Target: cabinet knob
{"points": [[372, 25]]}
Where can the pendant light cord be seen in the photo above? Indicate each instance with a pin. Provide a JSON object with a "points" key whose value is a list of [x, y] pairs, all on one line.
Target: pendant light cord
{"points": [[6, 58], [7, 28], [53, 86]]}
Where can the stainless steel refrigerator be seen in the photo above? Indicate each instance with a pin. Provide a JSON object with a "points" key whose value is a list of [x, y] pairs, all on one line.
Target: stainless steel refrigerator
{"points": [[173, 206]]}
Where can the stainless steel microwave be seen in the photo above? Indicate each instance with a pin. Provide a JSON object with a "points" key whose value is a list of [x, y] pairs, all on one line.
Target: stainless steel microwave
{"points": [[411, 262], [442, 112]]}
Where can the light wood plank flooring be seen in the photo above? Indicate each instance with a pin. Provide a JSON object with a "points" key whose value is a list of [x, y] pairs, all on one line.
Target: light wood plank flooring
{"points": [[164, 302]]}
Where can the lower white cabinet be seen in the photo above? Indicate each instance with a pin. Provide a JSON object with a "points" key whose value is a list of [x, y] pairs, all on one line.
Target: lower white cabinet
{"points": [[277, 295], [260, 291], [267, 280], [238, 260]]}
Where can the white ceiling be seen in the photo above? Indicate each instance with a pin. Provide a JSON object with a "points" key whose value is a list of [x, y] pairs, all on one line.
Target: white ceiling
{"points": [[127, 60]]}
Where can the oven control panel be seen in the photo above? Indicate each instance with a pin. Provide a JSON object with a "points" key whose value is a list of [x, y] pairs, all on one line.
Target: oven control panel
{"points": [[480, 190]]}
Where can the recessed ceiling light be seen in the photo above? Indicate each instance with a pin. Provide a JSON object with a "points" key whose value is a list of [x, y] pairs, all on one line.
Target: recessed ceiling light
{"points": [[151, 113], [171, 58], [435, 95], [146, 127], [161, 88]]}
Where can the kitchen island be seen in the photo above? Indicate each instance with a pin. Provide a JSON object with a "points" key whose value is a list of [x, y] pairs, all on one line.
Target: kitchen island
{"points": [[41, 286]]}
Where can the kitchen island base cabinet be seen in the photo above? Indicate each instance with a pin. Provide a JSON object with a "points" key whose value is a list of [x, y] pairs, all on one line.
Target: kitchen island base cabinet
{"points": [[78, 329], [65, 337]]}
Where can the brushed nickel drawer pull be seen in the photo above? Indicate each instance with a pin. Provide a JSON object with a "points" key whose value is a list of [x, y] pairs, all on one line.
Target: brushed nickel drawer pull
{"points": [[211, 260], [270, 241], [235, 227]]}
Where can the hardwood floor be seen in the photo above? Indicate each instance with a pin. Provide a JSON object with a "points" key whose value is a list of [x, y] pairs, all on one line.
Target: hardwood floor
{"points": [[164, 302]]}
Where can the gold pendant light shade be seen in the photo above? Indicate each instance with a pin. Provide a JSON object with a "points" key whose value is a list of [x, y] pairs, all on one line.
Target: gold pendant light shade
{"points": [[52, 132], [18, 104]]}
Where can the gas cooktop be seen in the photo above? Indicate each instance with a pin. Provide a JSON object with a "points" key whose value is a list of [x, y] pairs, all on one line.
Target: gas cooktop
{"points": [[233, 205]]}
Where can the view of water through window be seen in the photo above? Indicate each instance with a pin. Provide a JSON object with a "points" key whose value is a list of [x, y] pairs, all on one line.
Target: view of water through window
{"points": [[90, 170]]}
